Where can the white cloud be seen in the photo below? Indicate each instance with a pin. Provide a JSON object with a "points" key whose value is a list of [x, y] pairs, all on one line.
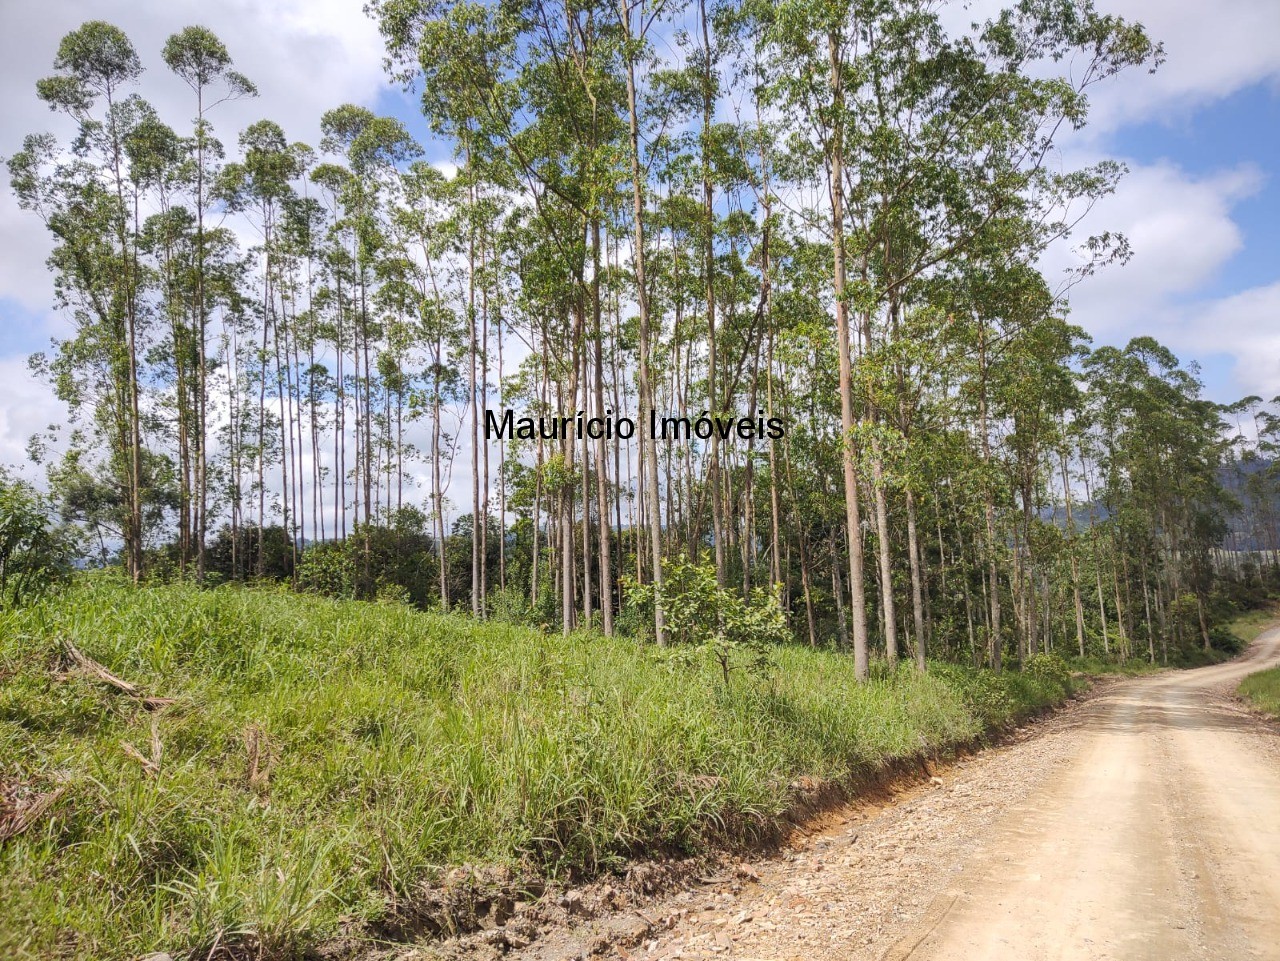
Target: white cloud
{"points": [[1246, 326], [1181, 231], [1183, 234], [29, 407], [24, 277], [1212, 50]]}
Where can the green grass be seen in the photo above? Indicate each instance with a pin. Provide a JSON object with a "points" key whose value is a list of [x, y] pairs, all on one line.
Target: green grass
{"points": [[1249, 625], [397, 744], [1261, 689], [1095, 665]]}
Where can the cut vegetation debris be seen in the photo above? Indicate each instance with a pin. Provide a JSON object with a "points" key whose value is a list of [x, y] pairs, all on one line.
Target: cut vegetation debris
{"points": [[325, 767], [96, 671]]}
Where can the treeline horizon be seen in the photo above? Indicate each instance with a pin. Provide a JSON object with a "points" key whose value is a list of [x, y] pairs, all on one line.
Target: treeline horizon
{"points": [[832, 216]]}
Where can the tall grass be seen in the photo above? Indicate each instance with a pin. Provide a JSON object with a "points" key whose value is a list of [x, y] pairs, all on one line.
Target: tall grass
{"points": [[1263, 690], [328, 761], [1246, 627]]}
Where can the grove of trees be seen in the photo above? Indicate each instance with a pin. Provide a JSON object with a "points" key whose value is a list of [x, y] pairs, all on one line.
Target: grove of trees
{"points": [[834, 214]]}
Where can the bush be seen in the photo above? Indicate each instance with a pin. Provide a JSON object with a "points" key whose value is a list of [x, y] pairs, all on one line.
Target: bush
{"points": [[1049, 667], [394, 594], [34, 552], [509, 606], [983, 692], [327, 569], [719, 624]]}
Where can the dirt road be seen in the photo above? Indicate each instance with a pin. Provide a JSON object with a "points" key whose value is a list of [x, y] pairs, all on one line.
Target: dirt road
{"points": [[1144, 823], [1159, 838]]}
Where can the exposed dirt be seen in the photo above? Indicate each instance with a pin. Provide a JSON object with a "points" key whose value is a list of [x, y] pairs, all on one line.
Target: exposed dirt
{"points": [[1143, 822]]}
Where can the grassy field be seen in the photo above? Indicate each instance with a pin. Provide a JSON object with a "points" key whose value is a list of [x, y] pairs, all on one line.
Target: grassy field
{"points": [[1261, 689], [1252, 623], [325, 763]]}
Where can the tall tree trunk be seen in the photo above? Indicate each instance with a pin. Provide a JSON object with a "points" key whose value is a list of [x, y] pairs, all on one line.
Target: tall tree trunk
{"points": [[917, 592], [994, 640], [602, 475], [475, 411], [587, 606], [202, 365], [642, 296], [1071, 554], [853, 519], [709, 264]]}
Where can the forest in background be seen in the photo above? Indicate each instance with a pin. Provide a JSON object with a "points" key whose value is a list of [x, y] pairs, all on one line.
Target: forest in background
{"points": [[834, 215]]}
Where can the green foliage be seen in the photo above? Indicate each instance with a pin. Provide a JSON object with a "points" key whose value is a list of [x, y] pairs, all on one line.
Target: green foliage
{"points": [[714, 622], [510, 606], [390, 745], [393, 594], [1049, 668], [396, 558], [328, 569], [984, 693], [35, 553], [999, 698], [1263, 690], [1246, 627]]}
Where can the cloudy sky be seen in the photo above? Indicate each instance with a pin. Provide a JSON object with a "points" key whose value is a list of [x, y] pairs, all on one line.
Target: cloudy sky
{"points": [[1201, 205]]}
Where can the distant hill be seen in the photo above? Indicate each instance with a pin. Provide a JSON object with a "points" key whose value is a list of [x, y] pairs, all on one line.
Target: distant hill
{"points": [[1255, 525]]}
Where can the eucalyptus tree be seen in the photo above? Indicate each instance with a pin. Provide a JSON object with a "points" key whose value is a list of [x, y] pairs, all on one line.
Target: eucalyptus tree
{"points": [[1161, 447], [636, 19], [423, 228], [156, 170], [372, 147], [260, 186], [1034, 388], [303, 231], [462, 50], [927, 142], [196, 55], [528, 94], [1261, 460], [91, 205], [1253, 471]]}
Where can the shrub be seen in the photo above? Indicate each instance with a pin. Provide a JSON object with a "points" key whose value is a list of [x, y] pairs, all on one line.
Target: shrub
{"points": [[509, 606], [327, 569], [1049, 667], [983, 692], [717, 623], [34, 552]]}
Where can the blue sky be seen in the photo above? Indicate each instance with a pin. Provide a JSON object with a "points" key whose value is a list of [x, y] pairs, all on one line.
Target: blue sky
{"points": [[1201, 205], [1239, 130]]}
